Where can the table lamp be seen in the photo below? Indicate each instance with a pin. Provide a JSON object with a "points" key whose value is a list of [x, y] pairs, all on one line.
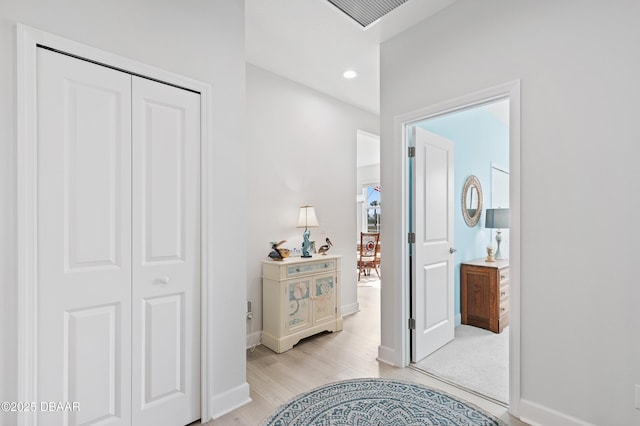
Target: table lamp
{"points": [[497, 219], [307, 219]]}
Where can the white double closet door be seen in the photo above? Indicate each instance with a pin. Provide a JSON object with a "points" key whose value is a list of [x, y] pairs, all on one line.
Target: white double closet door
{"points": [[118, 246]]}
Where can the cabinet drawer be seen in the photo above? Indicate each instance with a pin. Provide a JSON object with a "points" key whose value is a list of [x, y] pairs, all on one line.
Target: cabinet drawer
{"points": [[310, 268], [504, 276], [504, 292], [504, 307]]}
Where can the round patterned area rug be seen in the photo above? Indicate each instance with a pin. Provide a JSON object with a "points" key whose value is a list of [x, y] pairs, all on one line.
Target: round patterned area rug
{"points": [[384, 402]]}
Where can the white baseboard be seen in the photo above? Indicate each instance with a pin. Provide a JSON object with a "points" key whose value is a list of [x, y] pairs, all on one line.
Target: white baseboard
{"points": [[228, 401], [254, 339], [350, 309], [539, 415], [386, 355], [457, 320]]}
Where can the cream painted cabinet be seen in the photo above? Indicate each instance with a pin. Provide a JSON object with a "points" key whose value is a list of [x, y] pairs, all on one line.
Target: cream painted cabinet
{"points": [[300, 298]]}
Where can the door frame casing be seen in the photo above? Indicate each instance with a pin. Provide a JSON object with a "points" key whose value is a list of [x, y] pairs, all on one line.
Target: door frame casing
{"points": [[402, 292], [28, 41]]}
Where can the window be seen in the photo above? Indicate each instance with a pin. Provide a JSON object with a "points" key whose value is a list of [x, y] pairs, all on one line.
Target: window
{"points": [[372, 207]]}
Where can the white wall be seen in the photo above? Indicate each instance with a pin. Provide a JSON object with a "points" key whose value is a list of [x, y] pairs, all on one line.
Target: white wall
{"points": [[579, 67], [302, 150], [204, 41]]}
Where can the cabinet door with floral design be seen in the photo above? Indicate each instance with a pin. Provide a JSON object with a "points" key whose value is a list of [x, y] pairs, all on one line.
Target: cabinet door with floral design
{"points": [[299, 310], [324, 299]]}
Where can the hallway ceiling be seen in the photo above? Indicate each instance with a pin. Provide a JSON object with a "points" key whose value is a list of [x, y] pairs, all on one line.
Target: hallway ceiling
{"points": [[313, 43]]}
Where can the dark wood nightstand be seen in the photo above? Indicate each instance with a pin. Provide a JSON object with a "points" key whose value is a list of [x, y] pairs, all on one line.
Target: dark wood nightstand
{"points": [[484, 288]]}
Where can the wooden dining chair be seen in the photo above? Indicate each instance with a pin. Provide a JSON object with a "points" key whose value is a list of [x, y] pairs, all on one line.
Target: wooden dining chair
{"points": [[367, 256]]}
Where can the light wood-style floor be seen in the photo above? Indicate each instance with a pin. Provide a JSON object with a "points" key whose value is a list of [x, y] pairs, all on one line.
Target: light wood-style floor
{"points": [[276, 378]]}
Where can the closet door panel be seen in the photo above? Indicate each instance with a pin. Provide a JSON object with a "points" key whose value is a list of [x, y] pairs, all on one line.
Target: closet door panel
{"points": [[91, 363], [163, 326], [166, 254], [163, 174], [84, 240], [92, 157]]}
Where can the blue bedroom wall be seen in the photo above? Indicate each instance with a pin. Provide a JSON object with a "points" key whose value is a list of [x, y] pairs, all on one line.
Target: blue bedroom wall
{"points": [[480, 138]]}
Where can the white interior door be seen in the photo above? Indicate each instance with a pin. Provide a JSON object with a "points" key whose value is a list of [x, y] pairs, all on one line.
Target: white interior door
{"points": [[84, 240], [432, 289], [166, 254], [118, 246]]}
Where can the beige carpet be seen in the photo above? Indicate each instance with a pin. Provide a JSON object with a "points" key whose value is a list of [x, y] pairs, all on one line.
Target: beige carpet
{"points": [[476, 359]]}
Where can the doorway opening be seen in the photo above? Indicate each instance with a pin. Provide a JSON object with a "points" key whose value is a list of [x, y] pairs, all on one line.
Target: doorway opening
{"points": [[368, 199], [368, 182], [474, 357], [405, 126]]}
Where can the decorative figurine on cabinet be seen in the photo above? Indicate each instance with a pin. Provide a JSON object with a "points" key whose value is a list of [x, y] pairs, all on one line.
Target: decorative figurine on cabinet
{"points": [[490, 257], [278, 253], [325, 248]]}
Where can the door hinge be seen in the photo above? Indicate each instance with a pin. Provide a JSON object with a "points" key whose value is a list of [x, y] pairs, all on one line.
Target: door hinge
{"points": [[412, 323], [412, 151], [412, 237]]}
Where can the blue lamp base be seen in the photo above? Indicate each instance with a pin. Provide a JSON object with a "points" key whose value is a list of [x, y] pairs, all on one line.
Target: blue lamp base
{"points": [[306, 244]]}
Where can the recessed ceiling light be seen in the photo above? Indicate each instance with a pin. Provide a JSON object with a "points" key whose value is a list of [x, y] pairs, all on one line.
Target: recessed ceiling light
{"points": [[350, 74]]}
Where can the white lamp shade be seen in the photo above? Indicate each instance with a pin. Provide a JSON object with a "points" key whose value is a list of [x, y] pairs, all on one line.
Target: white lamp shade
{"points": [[307, 217]]}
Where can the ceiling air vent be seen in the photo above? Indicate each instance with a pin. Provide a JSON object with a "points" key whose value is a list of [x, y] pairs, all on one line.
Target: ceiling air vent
{"points": [[366, 12]]}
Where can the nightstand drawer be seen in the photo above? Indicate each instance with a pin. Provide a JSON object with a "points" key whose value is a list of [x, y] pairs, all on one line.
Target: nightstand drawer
{"points": [[504, 292], [504, 307], [504, 276]]}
